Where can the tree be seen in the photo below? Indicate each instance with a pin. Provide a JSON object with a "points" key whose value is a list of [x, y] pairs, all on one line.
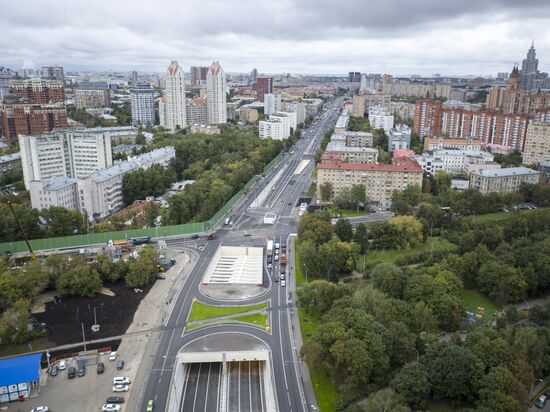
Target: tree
{"points": [[501, 392], [412, 382], [389, 279], [442, 182], [343, 230], [142, 270], [344, 200], [407, 232], [361, 237], [386, 400], [60, 221], [15, 323], [358, 194], [501, 282], [453, 371], [338, 257], [81, 280], [326, 191]]}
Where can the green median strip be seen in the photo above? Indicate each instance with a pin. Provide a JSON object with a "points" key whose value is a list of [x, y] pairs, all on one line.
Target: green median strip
{"points": [[201, 311], [256, 319]]}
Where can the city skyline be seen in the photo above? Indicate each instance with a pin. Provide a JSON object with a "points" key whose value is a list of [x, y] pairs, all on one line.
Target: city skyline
{"points": [[298, 37]]}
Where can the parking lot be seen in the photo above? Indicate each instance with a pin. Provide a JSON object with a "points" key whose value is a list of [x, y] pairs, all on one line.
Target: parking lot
{"points": [[86, 394]]}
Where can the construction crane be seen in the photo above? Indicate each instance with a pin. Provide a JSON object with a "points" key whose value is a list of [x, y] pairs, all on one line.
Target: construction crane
{"points": [[31, 253]]}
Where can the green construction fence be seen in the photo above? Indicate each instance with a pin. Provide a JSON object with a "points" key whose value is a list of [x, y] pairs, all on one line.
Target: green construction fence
{"points": [[66, 242]]}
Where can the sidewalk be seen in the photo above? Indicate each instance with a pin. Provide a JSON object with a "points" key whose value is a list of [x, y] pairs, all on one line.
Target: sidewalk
{"points": [[152, 312], [307, 386]]}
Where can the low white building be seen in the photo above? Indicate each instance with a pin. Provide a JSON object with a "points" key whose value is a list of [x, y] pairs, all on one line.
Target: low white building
{"points": [[456, 161], [399, 137], [273, 129], [380, 118], [508, 180]]}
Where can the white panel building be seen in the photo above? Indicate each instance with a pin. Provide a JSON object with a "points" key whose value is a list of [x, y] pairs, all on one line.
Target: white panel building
{"points": [[380, 118], [216, 89], [399, 137], [99, 194], [72, 153], [299, 108], [273, 129], [272, 103], [142, 99]]}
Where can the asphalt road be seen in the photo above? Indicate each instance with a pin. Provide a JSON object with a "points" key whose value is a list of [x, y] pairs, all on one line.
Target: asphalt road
{"points": [[289, 187]]}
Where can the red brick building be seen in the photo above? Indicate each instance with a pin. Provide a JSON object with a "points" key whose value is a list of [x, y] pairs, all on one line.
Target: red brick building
{"points": [[263, 86], [432, 118], [39, 91], [21, 118]]}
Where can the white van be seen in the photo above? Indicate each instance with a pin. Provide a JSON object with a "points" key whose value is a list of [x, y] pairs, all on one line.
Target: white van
{"points": [[227, 220], [121, 380], [277, 246]]}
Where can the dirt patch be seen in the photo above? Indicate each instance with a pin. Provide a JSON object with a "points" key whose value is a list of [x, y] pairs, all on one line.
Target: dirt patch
{"points": [[63, 316], [39, 302]]}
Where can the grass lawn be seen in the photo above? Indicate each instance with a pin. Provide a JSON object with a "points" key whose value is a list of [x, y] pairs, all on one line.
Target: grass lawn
{"points": [[474, 299], [325, 392], [313, 174], [12, 349], [259, 319], [389, 256], [311, 190], [298, 271], [500, 216], [200, 311]]}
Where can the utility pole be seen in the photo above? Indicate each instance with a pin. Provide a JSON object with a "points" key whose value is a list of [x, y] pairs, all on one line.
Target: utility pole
{"points": [[83, 336]]}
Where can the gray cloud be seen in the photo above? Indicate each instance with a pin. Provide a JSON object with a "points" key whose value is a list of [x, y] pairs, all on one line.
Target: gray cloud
{"points": [[321, 36]]}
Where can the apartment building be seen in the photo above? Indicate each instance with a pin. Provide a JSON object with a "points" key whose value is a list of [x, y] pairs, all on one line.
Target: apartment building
{"points": [[297, 107], [38, 91], [272, 103], [197, 112], [342, 122], [99, 194], [402, 111], [456, 161], [10, 162], [23, 118], [172, 112], [437, 143], [248, 115], [142, 98], [216, 89], [432, 119], [399, 137], [92, 96], [406, 89], [380, 118], [263, 86], [274, 129], [537, 143], [508, 180], [380, 180], [66, 153]]}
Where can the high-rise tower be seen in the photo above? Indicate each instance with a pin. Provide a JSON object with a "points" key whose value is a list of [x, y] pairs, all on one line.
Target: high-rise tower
{"points": [[216, 87]]}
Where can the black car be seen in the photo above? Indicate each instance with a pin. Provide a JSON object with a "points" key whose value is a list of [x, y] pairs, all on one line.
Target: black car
{"points": [[282, 272], [54, 370], [100, 368], [120, 365], [115, 399], [72, 372], [81, 370], [195, 237]]}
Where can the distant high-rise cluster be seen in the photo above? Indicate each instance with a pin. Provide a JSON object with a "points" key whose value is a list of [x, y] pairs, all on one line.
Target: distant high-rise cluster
{"points": [[530, 79]]}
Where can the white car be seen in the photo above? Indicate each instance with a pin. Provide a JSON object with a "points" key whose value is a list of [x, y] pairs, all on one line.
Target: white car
{"points": [[112, 356], [283, 283], [121, 388], [121, 380], [110, 407], [41, 409], [62, 365]]}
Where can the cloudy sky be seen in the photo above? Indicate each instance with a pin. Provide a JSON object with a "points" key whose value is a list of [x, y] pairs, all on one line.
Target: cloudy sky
{"points": [[297, 36]]}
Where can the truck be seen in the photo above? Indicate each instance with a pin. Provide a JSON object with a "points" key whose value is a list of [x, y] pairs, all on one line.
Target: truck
{"points": [[269, 248], [282, 259], [140, 240], [119, 242]]}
